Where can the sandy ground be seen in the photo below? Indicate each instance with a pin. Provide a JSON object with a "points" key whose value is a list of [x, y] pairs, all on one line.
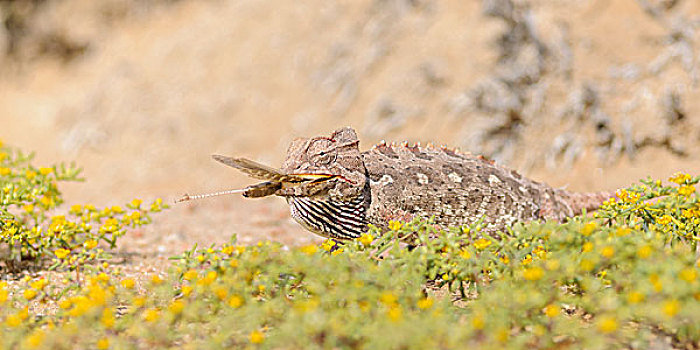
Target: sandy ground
{"points": [[157, 86]]}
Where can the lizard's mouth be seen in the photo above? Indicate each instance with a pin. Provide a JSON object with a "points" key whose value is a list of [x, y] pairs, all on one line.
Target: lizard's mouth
{"points": [[267, 188]]}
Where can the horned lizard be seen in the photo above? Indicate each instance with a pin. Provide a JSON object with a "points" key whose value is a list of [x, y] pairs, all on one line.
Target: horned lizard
{"points": [[335, 190]]}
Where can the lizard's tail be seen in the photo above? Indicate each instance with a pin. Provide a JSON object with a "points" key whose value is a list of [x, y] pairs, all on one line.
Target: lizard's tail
{"points": [[559, 204], [588, 201]]}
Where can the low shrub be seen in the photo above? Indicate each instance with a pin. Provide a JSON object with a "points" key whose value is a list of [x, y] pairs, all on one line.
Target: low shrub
{"points": [[624, 277]]}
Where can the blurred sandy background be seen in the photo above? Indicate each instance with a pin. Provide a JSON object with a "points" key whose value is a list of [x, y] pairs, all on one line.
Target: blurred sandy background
{"points": [[589, 94]]}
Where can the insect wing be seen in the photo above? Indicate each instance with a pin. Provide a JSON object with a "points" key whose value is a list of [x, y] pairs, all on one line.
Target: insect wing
{"points": [[252, 168]]}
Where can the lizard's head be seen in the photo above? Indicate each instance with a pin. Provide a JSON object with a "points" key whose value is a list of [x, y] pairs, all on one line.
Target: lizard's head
{"points": [[334, 203], [335, 160], [323, 178]]}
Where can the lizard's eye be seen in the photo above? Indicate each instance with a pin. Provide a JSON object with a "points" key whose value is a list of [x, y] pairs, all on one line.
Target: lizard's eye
{"points": [[321, 152]]}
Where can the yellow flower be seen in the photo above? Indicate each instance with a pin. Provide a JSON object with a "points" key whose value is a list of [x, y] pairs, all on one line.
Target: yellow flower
{"points": [[337, 252], [587, 247], [482, 243], [65, 304], [211, 276], [551, 310], [533, 273], [607, 252], [478, 322], [552, 264], [540, 252], [90, 243], [47, 201], [502, 334], [151, 315], [45, 171], [76, 209], [136, 203], [235, 301], [98, 296], [28, 208], [395, 313], [686, 190], [306, 305], [328, 244], [34, 340], [190, 275], [139, 301], [4, 171], [635, 297], [29, 294], [680, 178], [38, 284], [425, 303], [388, 298], [128, 283], [310, 249], [671, 307], [395, 225], [103, 277], [607, 324], [102, 344], [107, 318], [587, 265], [527, 260], [656, 284], [688, 274], [628, 197], [176, 307], [257, 337], [110, 225], [664, 220], [117, 209], [3, 296], [221, 293], [155, 279], [13, 321], [228, 250], [363, 305], [61, 253], [466, 255], [366, 239], [30, 174], [623, 231], [186, 290], [644, 252], [588, 228]]}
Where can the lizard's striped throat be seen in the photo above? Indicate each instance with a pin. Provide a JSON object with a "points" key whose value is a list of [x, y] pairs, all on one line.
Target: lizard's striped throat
{"points": [[330, 218]]}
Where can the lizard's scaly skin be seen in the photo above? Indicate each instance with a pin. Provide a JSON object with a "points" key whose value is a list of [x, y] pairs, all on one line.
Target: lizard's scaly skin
{"points": [[457, 189]]}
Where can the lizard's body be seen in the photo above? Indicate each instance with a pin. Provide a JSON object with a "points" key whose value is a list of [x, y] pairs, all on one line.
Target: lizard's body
{"points": [[457, 189], [335, 190]]}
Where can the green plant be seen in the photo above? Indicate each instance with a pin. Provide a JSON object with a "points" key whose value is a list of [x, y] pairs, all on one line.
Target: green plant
{"points": [[32, 229], [627, 276]]}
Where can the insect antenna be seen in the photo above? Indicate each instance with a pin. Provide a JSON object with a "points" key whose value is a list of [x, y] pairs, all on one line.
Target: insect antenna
{"points": [[188, 197]]}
